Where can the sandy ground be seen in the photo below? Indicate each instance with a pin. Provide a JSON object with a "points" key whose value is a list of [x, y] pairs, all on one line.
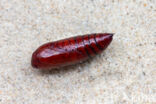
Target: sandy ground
{"points": [[124, 73]]}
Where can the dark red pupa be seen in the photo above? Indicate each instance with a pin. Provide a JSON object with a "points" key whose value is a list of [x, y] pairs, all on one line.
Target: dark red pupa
{"points": [[70, 51]]}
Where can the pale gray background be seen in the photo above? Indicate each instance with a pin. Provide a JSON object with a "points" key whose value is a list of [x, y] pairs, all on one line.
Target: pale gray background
{"points": [[124, 73]]}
